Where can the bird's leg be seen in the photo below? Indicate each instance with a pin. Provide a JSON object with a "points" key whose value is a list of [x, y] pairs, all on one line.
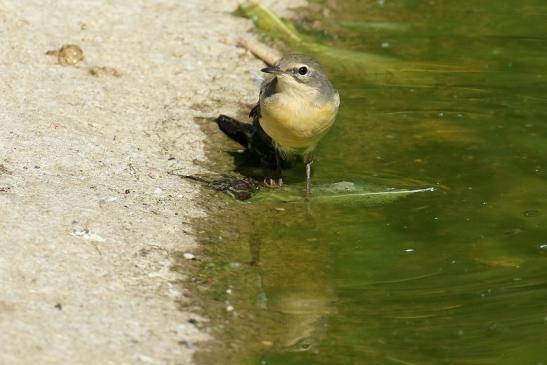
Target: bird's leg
{"points": [[277, 180], [308, 162], [278, 175]]}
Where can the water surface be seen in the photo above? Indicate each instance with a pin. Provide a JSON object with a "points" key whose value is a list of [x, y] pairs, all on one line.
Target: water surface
{"points": [[457, 276]]}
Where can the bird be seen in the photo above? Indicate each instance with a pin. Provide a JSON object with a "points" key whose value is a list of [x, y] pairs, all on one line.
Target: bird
{"points": [[296, 107]]}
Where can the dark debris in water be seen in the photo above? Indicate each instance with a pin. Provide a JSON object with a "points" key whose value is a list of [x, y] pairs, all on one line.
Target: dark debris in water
{"points": [[240, 188]]}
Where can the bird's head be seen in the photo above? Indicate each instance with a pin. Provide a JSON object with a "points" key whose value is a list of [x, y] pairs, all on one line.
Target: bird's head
{"points": [[297, 72]]}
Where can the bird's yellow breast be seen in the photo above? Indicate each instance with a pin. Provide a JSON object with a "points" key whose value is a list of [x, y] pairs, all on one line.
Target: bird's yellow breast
{"points": [[296, 122]]}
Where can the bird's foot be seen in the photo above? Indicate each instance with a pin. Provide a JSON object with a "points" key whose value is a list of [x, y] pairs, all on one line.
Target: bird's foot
{"points": [[272, 183]]}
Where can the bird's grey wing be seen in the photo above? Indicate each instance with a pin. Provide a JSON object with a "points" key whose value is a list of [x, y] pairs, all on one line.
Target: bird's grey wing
{"points": [[255, 113], [267, 89]]}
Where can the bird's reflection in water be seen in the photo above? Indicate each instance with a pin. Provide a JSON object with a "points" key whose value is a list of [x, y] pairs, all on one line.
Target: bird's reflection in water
{"points": [[293, 287]]}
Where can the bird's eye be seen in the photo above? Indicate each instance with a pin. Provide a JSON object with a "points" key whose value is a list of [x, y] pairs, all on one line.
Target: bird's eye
{"points": [[303, 70]]}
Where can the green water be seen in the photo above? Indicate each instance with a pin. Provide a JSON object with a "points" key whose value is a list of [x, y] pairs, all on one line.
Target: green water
{"points": [[455, 276]]}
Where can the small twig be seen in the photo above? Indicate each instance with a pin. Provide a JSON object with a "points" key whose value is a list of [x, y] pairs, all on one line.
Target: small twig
{"points": [[194, 178], [260, 50]]}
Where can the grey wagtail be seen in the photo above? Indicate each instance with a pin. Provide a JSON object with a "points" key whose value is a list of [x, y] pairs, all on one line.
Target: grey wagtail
{"points": [[297, 105]]}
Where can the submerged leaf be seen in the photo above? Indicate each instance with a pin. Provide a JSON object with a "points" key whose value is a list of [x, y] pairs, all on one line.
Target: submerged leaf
{"points": [[339, 193]]}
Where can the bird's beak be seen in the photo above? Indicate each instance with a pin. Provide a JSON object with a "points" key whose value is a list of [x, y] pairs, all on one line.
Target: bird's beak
{"points": [[272, 70]]}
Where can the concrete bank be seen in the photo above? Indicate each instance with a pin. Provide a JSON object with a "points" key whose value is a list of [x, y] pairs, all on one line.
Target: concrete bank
{"points": [[91, 220]]}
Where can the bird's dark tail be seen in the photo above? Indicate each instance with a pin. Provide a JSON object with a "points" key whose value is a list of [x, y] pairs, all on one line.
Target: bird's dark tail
{"points": [[240, 132], [252, 137]]}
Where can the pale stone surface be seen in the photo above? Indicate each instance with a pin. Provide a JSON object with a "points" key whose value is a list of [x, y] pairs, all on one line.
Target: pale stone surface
{"points": [[90, 218]]}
